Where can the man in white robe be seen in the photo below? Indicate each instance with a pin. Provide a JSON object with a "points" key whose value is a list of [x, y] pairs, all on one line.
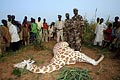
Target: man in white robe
{"points": [[99, 32]]}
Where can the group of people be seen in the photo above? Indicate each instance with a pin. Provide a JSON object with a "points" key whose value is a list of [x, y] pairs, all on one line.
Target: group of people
{"points": [[70, 30], [9, 34], [13, 34], [108, 36]]}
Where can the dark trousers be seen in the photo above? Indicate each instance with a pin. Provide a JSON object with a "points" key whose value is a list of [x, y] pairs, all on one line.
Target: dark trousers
{"points": [[32, 37], [15, 46]]}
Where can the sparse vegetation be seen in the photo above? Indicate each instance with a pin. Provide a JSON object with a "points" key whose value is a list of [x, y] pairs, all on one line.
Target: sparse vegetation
{"points": [[2, 59], [116, 78], [38, 44], [18, 72], [74, 74]]}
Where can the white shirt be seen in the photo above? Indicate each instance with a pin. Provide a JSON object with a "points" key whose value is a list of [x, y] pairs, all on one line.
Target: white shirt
{"points": [[99, 32], [40, 25], [50, 28], [59, 24], [9, 23], [14, 33]]}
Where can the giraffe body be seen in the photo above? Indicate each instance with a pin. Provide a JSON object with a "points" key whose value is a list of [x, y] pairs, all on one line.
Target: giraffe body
{"points": [[63, 55]]}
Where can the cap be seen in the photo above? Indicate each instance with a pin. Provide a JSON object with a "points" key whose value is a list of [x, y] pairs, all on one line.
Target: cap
{"points": [[75, 9], [59, 16], [67, 13], [117, 17]]}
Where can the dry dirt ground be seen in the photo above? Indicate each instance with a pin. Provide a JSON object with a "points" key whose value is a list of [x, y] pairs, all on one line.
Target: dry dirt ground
{"points": [[108, 69]]}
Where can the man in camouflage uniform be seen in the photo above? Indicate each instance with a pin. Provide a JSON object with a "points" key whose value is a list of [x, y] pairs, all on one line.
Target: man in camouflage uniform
{"points": [[77, 30], [67, 28]]}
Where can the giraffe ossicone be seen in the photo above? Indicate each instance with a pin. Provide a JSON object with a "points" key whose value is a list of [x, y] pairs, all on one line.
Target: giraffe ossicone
{"points": [[63, 55]]}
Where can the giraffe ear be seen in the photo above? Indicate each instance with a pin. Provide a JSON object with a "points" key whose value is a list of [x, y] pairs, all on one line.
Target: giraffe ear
{"points": [[32, 61], [31, 58]]}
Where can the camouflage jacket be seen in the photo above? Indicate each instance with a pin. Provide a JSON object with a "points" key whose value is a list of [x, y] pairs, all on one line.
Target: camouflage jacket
{"points": [[77, 22], [68, 25]]}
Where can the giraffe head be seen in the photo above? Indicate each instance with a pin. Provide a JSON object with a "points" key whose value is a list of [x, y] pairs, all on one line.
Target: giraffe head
{"points": [[24, 63]]}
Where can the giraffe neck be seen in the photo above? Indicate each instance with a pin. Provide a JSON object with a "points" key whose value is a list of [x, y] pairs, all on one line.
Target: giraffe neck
{"points": [[44, 69]]}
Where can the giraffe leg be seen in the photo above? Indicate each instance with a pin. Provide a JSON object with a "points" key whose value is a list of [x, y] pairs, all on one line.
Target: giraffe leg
{"points": [[84, 58]]}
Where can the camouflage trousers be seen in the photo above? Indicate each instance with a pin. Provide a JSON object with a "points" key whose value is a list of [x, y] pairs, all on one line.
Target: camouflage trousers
{"points": [[75, 40]]}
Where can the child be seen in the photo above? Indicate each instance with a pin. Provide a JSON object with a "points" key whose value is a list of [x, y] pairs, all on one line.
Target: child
{"points": [[50, 29], [107, 36]]}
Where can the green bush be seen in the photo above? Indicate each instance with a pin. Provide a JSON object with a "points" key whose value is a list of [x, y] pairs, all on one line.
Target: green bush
{"points": [[74, 74], [18, 72]]}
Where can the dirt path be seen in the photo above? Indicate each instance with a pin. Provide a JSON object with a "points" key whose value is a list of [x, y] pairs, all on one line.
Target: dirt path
{"points": [[108, 69]]}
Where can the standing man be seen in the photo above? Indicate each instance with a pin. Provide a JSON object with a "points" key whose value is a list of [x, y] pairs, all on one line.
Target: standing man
{"points": [[34, 31], [77, 21], [39, 27], [15, 39], [45, 30], [59, 26], [5, 37], [116, 27], [25, 31], [67, 29], [99, 32], [96, 23], [116, 24], [9, 20]]}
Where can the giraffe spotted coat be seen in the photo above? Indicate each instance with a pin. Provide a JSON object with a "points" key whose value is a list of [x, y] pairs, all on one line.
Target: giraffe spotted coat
{"points": [[63, 55]]}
